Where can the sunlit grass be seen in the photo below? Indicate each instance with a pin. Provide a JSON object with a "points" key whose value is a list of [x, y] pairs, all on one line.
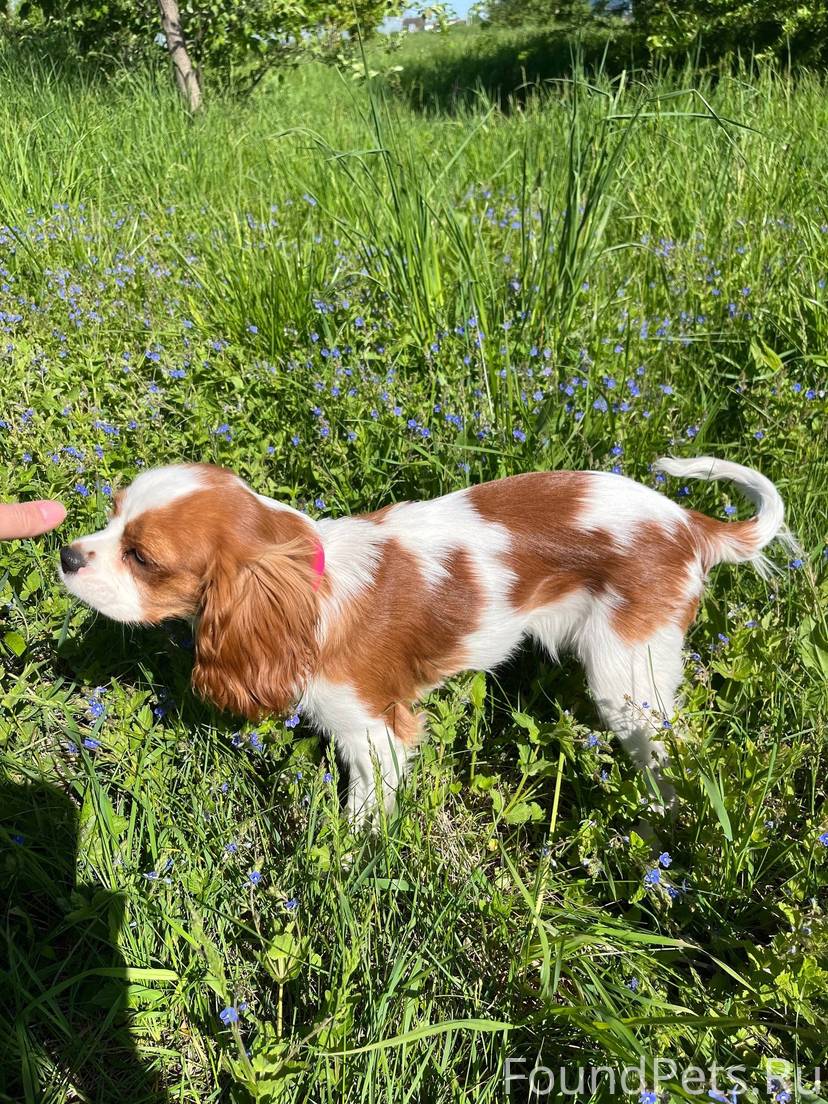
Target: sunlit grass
{"points": [[351, 303]]}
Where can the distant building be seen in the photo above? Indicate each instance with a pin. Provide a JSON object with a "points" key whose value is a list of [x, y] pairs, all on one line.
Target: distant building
{"points": [[413, 23]]}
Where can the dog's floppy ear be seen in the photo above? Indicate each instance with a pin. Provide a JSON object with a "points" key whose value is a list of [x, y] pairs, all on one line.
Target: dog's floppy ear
{"points": [[256, 632]]}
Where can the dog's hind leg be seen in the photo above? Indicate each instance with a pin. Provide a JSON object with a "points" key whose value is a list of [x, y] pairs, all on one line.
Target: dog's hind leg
{"points": [[634, 687]]}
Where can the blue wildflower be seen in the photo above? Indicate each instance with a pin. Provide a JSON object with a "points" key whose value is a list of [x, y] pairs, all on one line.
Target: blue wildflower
{"points": [[664, 859], [652, 877], [229, 1015], [731, 1097], [91, 744], [254, 877]]}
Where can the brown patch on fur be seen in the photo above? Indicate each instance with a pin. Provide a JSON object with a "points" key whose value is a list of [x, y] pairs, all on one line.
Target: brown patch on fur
{"points": [[689, 615], [245, 570], [712, 536], [553, 557], [405, 723], [402, 635], [380, 515], [540, 510], [651, 576]]}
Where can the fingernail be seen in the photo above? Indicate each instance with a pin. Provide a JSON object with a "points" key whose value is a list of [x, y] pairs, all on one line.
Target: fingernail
{"points": [[51, 512]]}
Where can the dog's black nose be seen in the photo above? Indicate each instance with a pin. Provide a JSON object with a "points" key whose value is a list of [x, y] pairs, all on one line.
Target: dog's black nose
{"points": [[71, 558]]}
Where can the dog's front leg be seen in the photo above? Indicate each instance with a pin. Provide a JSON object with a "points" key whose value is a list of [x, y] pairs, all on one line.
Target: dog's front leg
{"points": [[375, 747]]}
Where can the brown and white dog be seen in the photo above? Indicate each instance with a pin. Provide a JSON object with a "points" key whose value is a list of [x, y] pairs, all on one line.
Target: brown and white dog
{"points": [[356, 618]]}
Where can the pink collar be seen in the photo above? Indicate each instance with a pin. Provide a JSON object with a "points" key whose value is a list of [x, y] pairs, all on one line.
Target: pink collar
{"points": [[318, 564]]}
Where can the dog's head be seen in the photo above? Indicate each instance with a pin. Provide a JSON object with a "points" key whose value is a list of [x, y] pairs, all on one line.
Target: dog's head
{"points": [[194, 541]]}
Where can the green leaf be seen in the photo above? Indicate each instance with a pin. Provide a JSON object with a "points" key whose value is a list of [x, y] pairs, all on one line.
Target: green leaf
{"points": [[14, 642], [523, 812], [714, 793], [528, 723]]}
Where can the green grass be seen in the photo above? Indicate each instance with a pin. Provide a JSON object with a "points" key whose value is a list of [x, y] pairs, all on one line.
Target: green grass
{"points": [[456, 67], [305, 288]]}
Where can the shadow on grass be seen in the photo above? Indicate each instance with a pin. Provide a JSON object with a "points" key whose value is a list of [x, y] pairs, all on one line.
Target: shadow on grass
{"points": [[156, 659], [506, 66], [64, 986]]}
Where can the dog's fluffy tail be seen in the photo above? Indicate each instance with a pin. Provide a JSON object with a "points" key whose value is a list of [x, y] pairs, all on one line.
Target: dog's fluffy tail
{"points": [[738, 541]]}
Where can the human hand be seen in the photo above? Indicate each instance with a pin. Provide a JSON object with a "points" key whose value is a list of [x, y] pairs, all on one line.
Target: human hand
{"points": [[29, 519]]}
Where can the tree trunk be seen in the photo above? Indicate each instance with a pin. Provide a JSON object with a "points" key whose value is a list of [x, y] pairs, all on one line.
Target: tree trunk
{"points": [[185, 73]]}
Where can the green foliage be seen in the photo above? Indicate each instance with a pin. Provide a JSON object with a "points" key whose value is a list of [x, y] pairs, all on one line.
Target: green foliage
{"points": [[564, 13], [507, 63], [232, 42], [351, 302], [784, 29]]}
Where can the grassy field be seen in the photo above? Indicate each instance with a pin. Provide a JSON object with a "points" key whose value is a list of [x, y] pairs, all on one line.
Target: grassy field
{"points": [[351, 302]]}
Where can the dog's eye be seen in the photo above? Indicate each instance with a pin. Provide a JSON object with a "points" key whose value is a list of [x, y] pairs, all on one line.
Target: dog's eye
{"points": [[134, 554]]}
